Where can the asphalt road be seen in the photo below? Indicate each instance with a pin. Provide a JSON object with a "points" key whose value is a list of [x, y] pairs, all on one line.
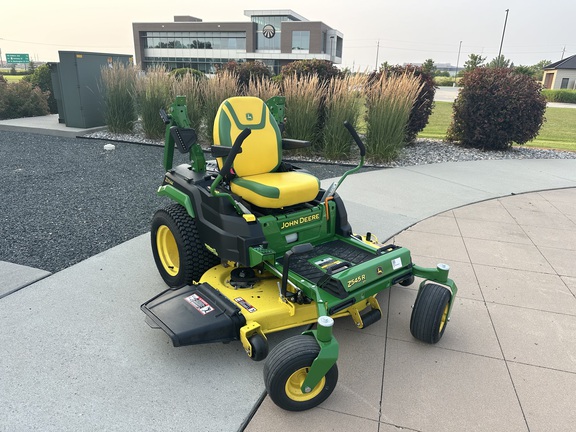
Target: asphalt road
{"points": [[66, 199]]}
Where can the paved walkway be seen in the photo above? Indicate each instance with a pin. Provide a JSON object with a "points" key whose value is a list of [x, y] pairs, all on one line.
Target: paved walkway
{"points": [[78, 355]]}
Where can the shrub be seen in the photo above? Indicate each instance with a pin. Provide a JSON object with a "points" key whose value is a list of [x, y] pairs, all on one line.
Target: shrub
{"points": [[322, 69], [424, 104], [215, 91], [119, 87], [190, 85], [441, 81], [495, 108], [563, 96], [182, 72], [389, 102], [245, 71], [3, 80], [41, 77], [343, 103], [303, 101], [153, 92], [21, 99]]}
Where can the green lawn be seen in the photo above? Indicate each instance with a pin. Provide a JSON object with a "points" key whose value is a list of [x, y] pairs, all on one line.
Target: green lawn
{"points": [[13, 78], [558, 132]]}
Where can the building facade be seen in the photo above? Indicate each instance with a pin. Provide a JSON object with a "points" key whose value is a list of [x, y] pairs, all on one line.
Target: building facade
{"points": [[274, 37], [560, 75]]}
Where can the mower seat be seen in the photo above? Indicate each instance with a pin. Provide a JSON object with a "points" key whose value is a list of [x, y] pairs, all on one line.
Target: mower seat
{"points": [[257, 180]]}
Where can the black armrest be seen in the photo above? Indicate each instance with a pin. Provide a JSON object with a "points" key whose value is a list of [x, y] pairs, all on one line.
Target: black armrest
{"points": [[293, 144], [221, 151]]}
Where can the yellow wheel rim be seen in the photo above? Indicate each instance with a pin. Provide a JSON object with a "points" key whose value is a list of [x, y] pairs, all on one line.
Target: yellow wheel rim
{"points": [[294, 383], [167, 250], [444, 318]]}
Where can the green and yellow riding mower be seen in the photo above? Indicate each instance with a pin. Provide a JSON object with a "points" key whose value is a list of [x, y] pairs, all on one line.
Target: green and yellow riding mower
{"points": [[253, 245]]}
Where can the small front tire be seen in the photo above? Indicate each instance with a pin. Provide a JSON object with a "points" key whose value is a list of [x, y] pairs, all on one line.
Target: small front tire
{"points": [[430, 314], [285, 370]]}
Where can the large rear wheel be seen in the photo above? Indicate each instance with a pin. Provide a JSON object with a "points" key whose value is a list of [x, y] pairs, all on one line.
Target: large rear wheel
{"points": [[178, 252]]}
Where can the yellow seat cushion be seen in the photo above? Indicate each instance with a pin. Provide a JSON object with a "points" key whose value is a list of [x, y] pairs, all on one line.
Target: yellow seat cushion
{"points": [[276, 190]]}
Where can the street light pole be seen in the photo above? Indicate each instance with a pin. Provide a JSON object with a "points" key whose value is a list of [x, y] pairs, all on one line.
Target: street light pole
{"points": [[502, 41], [377, 52], [457, 63]]}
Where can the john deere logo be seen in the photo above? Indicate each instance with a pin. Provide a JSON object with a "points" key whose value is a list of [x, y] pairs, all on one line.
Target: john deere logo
{"points": [[379, 271], [268, 31], [249, 117]]}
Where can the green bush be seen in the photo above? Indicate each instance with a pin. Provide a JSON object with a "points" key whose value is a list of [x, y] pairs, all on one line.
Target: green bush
{"points": [[495, 108], [245, 71], [323, 69], [563, 96], [182, 72], [153, 92], [424, 104], [119, 88], [41, 77], [441, 81], [389, 102], [21, 99], [343, 103]]}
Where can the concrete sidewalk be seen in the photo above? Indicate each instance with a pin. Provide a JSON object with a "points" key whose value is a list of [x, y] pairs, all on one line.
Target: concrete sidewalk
{"points": [[80, 356]]}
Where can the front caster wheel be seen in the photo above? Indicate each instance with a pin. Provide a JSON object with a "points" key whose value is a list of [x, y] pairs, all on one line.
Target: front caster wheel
{"points": [[430, 313], [286, 369]]}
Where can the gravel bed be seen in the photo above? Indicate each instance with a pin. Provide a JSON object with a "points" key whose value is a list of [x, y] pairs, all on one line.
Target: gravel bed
{"points": [[422, 152], [67, 199]]}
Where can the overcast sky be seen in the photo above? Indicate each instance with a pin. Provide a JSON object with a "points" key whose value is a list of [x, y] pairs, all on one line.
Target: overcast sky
{"points": [[406, 30]]}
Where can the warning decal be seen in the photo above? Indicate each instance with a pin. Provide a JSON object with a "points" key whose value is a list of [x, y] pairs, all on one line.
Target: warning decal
{"points": [[397, 263], [199, 304], [245, 304]]}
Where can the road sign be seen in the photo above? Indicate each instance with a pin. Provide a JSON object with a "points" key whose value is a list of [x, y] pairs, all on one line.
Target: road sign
{"points": [[17, 58]]}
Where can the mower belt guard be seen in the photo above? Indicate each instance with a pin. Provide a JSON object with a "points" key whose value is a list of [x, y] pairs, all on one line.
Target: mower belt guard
{"points": [[195, 314]]}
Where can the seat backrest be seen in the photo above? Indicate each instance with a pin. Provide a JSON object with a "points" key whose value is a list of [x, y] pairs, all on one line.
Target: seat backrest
{"points": [[262, 150]]}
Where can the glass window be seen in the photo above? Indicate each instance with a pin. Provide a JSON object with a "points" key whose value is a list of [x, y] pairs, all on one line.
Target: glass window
{"points": [[301, 40]]}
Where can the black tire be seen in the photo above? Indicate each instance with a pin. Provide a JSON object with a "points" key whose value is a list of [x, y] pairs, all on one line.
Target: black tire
{"points": [[430, 314], [285, 370], [178, 252], [259, 347]]}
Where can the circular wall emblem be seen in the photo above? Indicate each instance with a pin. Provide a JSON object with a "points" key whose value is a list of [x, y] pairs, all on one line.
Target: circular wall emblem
{"points": [[269, 31]]}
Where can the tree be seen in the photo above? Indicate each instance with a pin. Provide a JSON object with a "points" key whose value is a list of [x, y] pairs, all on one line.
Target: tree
{"points": [[429, 67], [474, 61], [500, 61], [31, 67]]}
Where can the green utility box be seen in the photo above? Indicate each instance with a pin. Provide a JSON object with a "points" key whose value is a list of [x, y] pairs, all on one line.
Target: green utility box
{"points": [[77, 85]]}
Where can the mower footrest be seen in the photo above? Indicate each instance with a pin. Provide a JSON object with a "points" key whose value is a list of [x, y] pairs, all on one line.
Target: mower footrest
{"points": [[195, 314]]}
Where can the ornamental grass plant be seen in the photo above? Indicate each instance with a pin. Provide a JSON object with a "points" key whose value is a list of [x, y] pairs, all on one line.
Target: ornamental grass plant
{"points": [[389, 102], [344, 101], [304, 98], [263, 88], [215, 91], [154, 91], [119, 86], [190, 85]]}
